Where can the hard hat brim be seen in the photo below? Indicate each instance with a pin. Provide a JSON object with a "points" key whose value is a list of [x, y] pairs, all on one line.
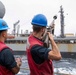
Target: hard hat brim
{"points": [[38, 24], [5, 28]]}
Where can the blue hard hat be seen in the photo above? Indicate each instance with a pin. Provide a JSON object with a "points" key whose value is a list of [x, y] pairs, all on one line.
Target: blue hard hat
{"points": [[3, 25], [39, 20]]}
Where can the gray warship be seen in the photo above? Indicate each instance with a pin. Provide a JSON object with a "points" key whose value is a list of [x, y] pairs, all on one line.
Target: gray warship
{"points": [[66, 44]]}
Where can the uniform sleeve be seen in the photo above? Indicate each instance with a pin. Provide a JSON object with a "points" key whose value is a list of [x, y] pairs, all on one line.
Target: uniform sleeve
{"points": [[8, 59], [40, 51]]}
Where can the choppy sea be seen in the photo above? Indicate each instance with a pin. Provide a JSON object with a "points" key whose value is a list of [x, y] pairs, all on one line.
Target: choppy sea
{"points": [[66, 66]]}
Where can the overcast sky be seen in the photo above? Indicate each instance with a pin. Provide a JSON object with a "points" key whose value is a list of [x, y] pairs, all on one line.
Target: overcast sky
{"points": [[24, 10]]}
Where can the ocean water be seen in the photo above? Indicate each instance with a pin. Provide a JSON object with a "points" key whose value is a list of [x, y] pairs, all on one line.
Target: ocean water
{"points": [[66, 66]]}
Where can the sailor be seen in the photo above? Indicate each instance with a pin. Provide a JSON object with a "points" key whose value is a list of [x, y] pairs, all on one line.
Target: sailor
{"points": [[8, 64], [39, 57]]}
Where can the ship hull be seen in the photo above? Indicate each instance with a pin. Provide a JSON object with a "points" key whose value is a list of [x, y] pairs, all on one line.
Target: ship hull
{"points": [[67, 50], [64, 54]]}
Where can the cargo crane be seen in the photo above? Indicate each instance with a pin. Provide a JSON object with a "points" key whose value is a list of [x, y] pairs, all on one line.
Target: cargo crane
{"points": [[14, 27], [18, 27]]}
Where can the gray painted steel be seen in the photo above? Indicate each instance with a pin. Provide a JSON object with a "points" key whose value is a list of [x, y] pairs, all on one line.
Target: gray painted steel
{"points": [[2, 10]]}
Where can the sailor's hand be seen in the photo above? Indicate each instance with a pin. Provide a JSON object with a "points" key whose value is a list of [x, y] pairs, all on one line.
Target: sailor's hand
{"points": [[50, 36], [19, 62]]}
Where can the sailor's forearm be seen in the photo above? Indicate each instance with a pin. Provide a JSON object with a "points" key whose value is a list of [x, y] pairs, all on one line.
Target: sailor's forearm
{"points": [[55, 49]]}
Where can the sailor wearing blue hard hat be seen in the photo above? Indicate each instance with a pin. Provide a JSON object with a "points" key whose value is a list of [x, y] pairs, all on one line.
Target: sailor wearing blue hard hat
{"points": [[3, 28], [39, 57], [8, 64], [39, 20]]}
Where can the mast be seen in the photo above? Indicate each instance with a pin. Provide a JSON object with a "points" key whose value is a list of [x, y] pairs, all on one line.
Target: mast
{"points": [[62, 22]]}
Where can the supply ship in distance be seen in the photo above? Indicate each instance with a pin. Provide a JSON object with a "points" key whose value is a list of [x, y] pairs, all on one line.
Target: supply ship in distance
{"points": [[65, 43]]}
